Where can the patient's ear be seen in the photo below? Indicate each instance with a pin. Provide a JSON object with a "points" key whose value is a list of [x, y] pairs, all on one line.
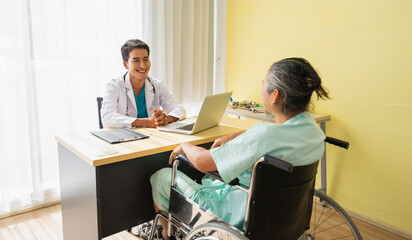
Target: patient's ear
{"points": [[275, 94]]}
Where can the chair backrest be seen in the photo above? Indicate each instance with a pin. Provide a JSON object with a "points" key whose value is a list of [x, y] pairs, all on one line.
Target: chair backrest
{"points": [[99, 106], [281, 201]]}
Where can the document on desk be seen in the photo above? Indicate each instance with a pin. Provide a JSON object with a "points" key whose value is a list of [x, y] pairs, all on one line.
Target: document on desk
{"points": [[119, 135]]}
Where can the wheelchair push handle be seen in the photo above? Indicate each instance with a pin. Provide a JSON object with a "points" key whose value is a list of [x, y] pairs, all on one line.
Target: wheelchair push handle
{"points": [[337, 142], [214, 174]]}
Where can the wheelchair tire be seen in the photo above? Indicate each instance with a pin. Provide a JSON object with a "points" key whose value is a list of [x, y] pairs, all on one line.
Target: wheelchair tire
{"points": [[214, 231], [330, 221]]}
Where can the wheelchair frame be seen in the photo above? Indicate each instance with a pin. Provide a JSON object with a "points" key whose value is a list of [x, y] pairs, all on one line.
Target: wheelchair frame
{"points": [[199, 219], [189, 219]]}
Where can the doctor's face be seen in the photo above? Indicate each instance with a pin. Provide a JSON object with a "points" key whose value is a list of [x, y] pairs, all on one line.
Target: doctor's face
{"points": [[138, 64]]}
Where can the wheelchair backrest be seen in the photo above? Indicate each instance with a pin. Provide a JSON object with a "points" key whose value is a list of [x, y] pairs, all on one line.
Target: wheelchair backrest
{"points": [[281, 200]]}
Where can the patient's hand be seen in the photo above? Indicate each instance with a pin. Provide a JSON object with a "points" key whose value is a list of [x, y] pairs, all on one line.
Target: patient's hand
{"points": [[175, 153], [221, 141]]}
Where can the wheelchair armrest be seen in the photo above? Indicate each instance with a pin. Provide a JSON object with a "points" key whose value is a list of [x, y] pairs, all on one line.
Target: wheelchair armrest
{"points": [[337, 142], [183, 158], [214, 174], [285, 166]]}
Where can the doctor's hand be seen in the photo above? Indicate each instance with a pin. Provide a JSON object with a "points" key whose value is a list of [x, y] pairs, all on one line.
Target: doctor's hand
{"points": [[161, 118], [156, 119]]}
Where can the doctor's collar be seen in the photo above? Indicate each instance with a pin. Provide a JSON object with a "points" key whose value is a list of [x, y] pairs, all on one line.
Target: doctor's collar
{"points": [[148, 79]]}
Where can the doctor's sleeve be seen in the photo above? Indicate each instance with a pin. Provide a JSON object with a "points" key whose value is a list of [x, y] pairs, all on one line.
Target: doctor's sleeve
{"points": [[111, 116], [169, 103]]}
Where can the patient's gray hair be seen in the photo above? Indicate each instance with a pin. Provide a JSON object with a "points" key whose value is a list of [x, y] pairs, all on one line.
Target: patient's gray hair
{"points": [[296, 80]]}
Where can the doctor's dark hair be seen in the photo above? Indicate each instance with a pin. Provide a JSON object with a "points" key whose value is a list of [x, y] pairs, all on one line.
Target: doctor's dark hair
{"points": [[131, 44], [296, 80]]}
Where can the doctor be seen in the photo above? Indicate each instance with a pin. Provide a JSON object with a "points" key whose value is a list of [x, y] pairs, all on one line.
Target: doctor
{"points": [[134, 99]]}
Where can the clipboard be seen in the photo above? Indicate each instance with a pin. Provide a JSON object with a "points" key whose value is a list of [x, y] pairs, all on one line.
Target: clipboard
{"points": [[119, 135]]}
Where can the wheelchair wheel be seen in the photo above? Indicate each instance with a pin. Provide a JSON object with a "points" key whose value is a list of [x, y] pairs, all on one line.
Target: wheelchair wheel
{"points": [[214, 231], [330, 221]]}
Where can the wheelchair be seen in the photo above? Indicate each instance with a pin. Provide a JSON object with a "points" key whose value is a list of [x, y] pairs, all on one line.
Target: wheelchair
{"points": [[280, 201]]}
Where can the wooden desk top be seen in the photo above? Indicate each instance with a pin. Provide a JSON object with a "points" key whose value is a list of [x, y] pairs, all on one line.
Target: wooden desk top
{"points": [[97, 152], [261, 116]]}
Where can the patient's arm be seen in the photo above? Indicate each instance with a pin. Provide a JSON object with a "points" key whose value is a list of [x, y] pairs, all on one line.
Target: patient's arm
{"points": [[198, 156], [220, 141]]}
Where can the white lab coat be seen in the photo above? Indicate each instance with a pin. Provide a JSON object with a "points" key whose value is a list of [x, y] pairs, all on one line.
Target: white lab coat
{"points": [[119, 105]]}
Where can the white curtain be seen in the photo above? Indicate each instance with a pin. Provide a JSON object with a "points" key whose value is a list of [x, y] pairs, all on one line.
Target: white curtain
{"points": [[57, 55], [182, 32]]}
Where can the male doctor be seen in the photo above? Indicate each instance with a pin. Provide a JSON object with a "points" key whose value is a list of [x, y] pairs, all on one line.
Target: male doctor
{"points": [[134, 99]]}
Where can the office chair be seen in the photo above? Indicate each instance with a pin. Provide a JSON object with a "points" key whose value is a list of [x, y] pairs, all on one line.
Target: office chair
{"points": [[99, 106], [279, 205]]}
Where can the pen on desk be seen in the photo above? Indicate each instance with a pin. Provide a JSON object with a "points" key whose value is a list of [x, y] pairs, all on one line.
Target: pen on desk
{"points": [[127, 139]]}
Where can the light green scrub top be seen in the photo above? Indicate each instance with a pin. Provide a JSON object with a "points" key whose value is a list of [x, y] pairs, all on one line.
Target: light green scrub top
{"points": [[299, 141]]}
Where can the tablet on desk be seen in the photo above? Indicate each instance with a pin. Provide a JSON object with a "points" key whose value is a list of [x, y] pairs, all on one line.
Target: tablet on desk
{"points": [[119, 135]]}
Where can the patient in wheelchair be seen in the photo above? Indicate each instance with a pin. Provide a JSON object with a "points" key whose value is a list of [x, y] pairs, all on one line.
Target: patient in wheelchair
{"points": [[296, 138]]}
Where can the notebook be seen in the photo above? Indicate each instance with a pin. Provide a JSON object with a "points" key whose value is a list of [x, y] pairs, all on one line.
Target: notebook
{"points": [[119, 135], [211, 112]]}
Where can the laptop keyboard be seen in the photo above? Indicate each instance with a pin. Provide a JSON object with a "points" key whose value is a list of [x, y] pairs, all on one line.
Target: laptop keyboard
{"points": [[187, 127]]}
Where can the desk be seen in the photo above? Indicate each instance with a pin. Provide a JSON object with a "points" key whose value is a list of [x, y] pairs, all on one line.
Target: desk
{"points": [[320, 118], [105, 187]]}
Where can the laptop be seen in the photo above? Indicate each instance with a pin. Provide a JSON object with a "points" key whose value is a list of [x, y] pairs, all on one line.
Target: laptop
{"points": [[119, 135], [211, 112]]}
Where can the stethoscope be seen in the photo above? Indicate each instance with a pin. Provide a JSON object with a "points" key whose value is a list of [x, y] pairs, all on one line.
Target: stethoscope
{"points": [[127, 102]]}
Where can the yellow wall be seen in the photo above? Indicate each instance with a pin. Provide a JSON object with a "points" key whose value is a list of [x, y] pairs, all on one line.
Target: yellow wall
{"points": [[363, 52]]}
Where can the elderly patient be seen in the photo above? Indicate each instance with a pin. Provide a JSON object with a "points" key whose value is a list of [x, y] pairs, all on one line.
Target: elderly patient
{"points": [[296, 138]]}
